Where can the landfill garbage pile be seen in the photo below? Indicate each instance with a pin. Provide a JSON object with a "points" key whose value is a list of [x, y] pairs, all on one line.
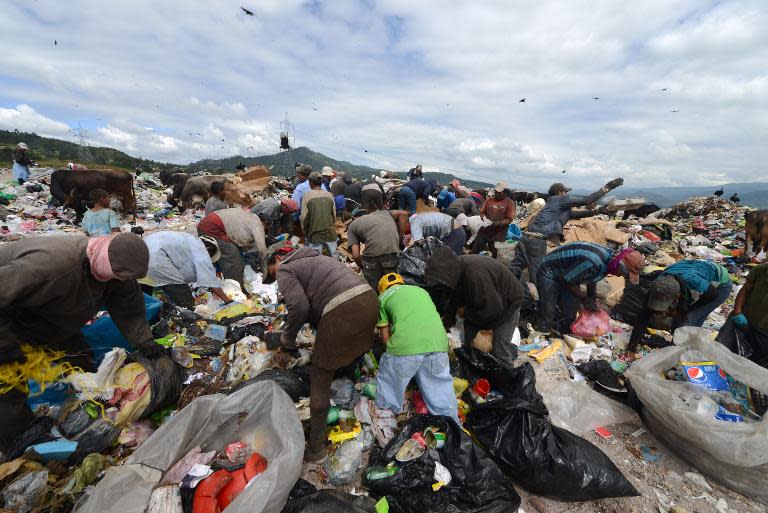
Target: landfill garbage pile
{"points": [[218, 423]]}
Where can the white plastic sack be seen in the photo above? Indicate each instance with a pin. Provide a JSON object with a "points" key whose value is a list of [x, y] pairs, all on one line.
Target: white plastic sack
{"points": [[733, 453], [260, 414], [575, 406]]}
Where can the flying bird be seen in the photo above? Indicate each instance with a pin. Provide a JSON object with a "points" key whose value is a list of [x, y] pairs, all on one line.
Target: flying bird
{"points": [[718, 192], [246, 11], [735, 198], [55, 43], [664, 89], [595, 98], [674, 111], [563, 170], [522, 100]]}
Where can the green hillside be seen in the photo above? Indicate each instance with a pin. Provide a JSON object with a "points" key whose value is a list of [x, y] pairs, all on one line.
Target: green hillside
{"points": [[283, 163], [55, 152]]}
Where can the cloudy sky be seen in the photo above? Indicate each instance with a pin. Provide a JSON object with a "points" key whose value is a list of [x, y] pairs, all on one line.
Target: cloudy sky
{"points": [[681, 85]]}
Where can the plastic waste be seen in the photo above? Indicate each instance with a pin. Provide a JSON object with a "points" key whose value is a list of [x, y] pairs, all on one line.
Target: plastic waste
{"points": [[260, 414], [289, 380], [343, 392], [341, 467], [413, 260], [26, 492], [591, 324], [735, 454], [56, 450], [382, 420], [543, 458], [325, 501], [87, 472], [477, 484]]}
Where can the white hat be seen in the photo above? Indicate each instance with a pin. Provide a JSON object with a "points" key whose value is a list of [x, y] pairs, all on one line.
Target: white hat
{"points": [[23, 146], [210, 240], [327, 171], [501, 187]]}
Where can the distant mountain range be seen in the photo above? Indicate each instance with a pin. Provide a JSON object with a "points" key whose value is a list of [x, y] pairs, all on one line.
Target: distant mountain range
{"points": [[283, 163], [754, 194]]}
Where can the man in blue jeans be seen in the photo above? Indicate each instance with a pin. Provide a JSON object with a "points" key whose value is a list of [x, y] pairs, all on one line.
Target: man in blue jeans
{"points": [[413, 190], [417, 347]]}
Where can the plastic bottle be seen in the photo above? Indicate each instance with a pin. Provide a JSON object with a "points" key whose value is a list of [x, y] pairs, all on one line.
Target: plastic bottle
{"points": [[376, 473], [369, 390]]}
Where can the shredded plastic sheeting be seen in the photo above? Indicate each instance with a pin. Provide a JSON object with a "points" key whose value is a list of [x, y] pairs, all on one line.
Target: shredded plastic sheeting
{"points": [[41, 365]]}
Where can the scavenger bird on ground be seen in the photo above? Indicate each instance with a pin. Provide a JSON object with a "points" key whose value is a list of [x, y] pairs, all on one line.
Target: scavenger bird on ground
{"points": [[735, 198], [718, 192]]}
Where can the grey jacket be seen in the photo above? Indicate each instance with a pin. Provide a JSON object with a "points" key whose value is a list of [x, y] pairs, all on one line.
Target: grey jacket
{"points": [[312, 285], [558, 210]]}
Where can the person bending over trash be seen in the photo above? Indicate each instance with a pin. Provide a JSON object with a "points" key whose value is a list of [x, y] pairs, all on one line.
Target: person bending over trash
{"points": [[413, 190], [52, 286], [234, 230], [100, 220], [441, 226], [377, 230], [417, 347], [177, 259], [318, 216], [21, 163], [275, 215], [216, 201], [489, 294], [500, 210], [564, 270], [548, 223], [340, 305], [750, 317], [447, 195]]}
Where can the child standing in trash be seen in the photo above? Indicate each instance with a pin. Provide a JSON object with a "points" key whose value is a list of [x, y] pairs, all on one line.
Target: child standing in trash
{"points": [[417, 346], [100, 220]]}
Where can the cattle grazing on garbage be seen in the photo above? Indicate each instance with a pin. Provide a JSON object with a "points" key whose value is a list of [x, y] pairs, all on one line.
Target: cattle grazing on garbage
{"points": [[523, 197], [73, 188], [197, 190], [756, 230], [642, 212]]}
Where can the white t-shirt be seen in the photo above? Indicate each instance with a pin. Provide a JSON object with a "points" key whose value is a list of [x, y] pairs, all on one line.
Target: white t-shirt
{"points": [[177, 257]]}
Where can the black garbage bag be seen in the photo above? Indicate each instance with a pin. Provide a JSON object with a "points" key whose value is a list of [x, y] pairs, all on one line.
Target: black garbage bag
{"points": [[302, 488], [99, 435], [326, 501], [291, 382], [39, 431], [73, 419], [165, 380], [543, 458], [477, 483], [413, 261]]}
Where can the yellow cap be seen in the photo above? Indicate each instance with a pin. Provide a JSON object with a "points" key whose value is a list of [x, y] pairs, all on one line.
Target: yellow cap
{"points": [[389, 280]]}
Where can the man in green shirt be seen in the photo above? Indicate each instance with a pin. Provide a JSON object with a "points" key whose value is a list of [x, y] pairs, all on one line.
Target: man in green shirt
{"points": [[417, 346], [750, 317]]}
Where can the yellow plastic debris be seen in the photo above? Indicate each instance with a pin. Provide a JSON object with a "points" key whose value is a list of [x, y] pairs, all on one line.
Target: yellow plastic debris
{"points": [[542, 354], [41, 365]]}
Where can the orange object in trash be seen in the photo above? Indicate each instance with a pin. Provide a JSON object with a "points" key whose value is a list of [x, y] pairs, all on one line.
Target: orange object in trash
{"points": [[482, 387], [232, 489], [206, 492], [737, 252], [255, 465]]}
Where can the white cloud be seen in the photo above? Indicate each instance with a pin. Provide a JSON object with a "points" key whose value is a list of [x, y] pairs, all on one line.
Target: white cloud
{"points": [[396, 82]]}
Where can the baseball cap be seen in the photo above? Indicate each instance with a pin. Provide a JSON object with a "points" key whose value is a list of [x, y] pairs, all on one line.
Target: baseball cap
{"points": [[210, 241], [664, 292], [290, 204], [634, 263], [557, 188], [501, 187], [314, 175], [327, 171], [22, 146], [278, 248]]}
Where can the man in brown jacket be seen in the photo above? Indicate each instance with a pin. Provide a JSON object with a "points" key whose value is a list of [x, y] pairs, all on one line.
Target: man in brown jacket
{"points": [[52, 286], [340, 305]]}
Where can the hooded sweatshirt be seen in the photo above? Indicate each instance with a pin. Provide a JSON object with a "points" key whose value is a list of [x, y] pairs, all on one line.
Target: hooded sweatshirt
{"points": [[49, 292], [487, 290], [314, 285]]}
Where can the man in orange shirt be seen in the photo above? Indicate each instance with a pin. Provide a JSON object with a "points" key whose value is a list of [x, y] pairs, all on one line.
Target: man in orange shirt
{"points": [[500, 210]]}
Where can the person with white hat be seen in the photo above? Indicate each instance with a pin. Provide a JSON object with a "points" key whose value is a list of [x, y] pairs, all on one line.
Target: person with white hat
{"points": [[177, 259], [21, 163], [327, 175]]}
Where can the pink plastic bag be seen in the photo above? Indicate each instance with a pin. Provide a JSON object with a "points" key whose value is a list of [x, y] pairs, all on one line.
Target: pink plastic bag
{"points": [[591, 324]]}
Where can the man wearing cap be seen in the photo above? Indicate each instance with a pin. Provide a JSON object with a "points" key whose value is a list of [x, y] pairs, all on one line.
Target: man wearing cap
{"points": [[302, 175], [377, 230], [439, 225], [750, 317], [234, 229], [500, 210], [488, 293], [547, 225], [564, 270], [447, 195], [275, 214], [21, 163], [417, 347], [340, 305], [177, 259], [327, 175], [414, 172], [413, 190], [52, 286], [318, 217]]}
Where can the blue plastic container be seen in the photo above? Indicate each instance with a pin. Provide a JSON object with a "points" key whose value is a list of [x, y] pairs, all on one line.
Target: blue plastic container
{"points": [[103, 334]]}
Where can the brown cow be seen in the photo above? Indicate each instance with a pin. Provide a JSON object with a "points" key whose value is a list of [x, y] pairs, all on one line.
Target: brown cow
{"points": [[756, 231], [73, 188], [197, 190]]}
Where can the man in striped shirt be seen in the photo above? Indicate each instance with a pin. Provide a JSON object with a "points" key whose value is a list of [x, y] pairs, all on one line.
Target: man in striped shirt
{"points": [[564, 270]]}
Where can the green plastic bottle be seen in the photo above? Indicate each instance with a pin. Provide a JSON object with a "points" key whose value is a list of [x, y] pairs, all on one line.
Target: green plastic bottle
{"points": [[376, 473], [369, 390], [335, 414]]}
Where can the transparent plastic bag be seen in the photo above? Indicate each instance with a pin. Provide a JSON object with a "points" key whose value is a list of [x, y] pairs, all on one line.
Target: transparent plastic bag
{"points": [[342, 465], [27, 492]]}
